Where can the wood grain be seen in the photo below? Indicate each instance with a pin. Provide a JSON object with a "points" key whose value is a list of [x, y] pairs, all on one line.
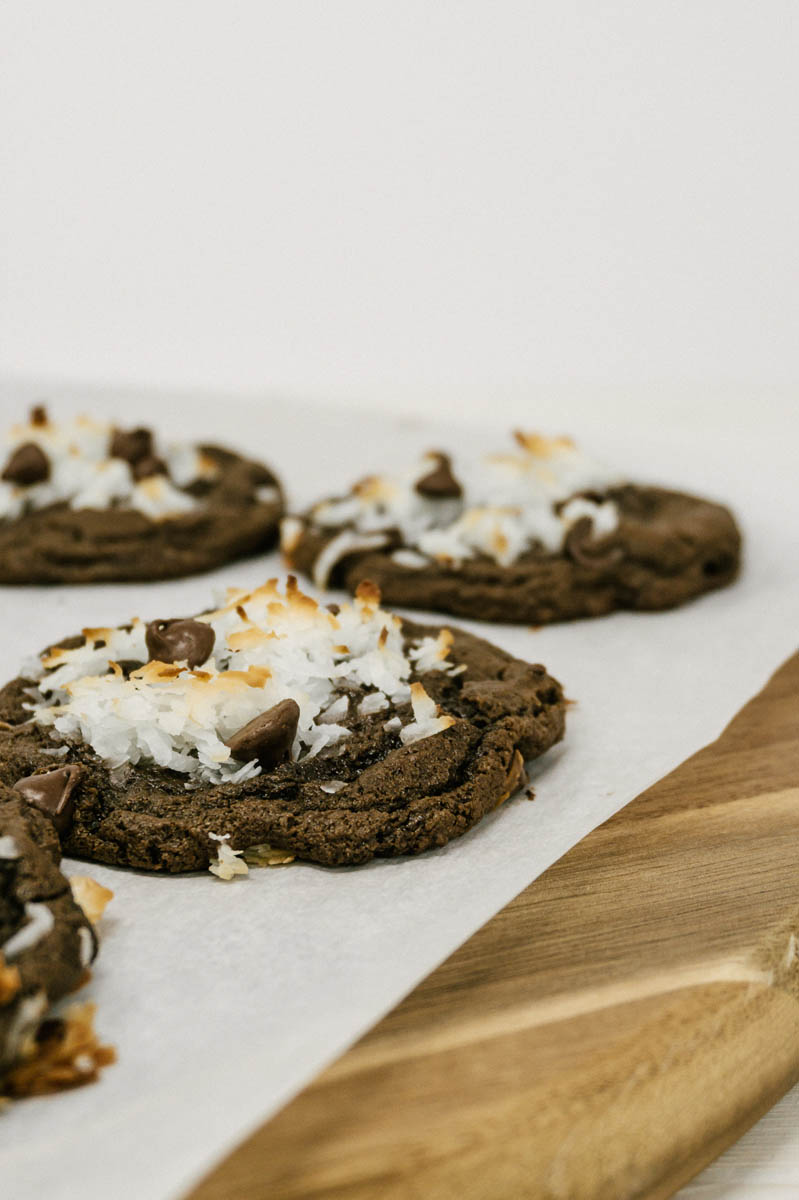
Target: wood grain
{"points": [[607, 1034]]}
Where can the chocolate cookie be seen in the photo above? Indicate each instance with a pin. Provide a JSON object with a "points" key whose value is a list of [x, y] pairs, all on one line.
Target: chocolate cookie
{"points": [[46, 941], [333, 734], [84, 502], [540, 535]]}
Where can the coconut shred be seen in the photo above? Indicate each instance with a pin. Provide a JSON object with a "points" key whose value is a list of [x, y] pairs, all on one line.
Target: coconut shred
{"points": [[500, 506], [268, 646]]}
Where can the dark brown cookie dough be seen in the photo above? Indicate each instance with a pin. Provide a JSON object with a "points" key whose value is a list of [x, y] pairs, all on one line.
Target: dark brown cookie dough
{"points": [[46, 941], [668, 548], [59, 544], [368, 796]]}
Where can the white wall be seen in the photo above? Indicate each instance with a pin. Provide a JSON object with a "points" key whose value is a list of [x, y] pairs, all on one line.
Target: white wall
{"points": [[401, 200]]}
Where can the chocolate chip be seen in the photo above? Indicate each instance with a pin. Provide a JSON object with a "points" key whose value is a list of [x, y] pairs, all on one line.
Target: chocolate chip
{"points": [[145, 467], [440, 483], [268, 737], [180, 640], [53, 794], [260, 475], [52, 1030], [580, 546], [335, 609], [39, 415], [28, 464], [131, 444]]}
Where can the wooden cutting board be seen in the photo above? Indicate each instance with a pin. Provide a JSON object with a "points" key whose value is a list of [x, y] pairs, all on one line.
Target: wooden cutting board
{"points": [[607, 1034]]}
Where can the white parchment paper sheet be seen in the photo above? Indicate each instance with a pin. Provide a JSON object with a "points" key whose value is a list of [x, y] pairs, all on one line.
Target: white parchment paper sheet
{"points": [[225, 999]]}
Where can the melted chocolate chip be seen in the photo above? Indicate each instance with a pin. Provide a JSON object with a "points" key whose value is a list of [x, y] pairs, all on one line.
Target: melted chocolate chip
{"points": [[131, 444], [39, 415], [53, 794], [28, 464], [268, 737], [145, 467], [180, 640], [580, 546], [440, 483]]}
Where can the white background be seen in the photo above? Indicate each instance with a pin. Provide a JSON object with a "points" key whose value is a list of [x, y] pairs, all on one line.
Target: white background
{"points": [[478, 208], [393, 201]]}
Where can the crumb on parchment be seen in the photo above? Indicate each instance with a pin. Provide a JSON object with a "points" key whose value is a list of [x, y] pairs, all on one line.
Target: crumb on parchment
{"points": [[64, 1053], [92, 897], [229, 862]]}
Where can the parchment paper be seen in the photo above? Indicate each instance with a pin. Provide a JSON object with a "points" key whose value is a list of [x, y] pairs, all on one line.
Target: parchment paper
{"points": [[223, 1000]]}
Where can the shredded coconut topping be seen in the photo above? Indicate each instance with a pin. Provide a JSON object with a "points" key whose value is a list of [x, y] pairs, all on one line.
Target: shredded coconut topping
{"points": [[40, 922], [269, 646], [509, 504], [86, 946], [427, 717], [82, 473]]}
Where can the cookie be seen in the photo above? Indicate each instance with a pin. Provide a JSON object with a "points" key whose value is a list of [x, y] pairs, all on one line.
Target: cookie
{"points": [[85, 502], [332, 734], [46, 941], [543, 534]]}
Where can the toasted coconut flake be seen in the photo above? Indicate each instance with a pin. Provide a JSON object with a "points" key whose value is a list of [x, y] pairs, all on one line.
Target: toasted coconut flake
{"points": [[94, 635], [411, 559], [542, 447], [264, 855], [269, 646], [427, 719], [331, 786], [339, 547], [229, 862], [291, 530], [374, 487], [368, 593], [10, 982], [66, 1053], [54, 656], [207, 467], [431, 653], [92, 897], [516, 778], [508, 507], [83, 475], [334, 712], [373, 703]]}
